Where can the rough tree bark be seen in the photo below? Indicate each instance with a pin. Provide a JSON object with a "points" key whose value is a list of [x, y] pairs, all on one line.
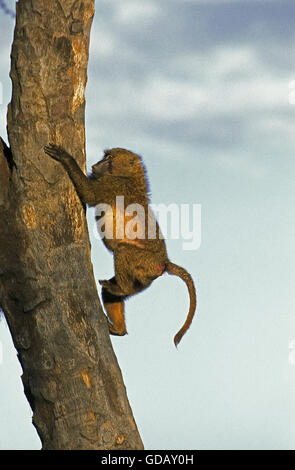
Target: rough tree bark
{"points": [[48, 293]]}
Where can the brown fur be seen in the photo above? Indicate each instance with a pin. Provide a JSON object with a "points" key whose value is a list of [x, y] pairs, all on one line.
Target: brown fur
{"points": [[138, 262]]}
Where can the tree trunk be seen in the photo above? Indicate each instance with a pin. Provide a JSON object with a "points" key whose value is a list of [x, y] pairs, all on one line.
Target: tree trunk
{"points": [[47, 289]]}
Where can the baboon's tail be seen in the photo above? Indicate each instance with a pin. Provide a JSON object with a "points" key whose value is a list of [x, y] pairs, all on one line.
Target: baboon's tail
{"points": [[176, 270]]}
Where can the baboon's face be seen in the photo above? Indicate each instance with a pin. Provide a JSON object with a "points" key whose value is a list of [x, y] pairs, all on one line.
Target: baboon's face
{"points": [[117, 162], [102, 167]]}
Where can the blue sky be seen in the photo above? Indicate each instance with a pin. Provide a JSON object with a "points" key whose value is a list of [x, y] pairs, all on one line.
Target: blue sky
{"points": [[201, 90]]}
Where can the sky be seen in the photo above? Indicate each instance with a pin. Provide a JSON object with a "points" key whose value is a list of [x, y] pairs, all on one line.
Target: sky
{"points": [[205, 92]]}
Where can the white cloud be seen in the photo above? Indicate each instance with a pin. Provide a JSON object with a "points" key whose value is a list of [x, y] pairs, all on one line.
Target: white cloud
{"points": [[102, 43], [223, 2], [218, 62], [229, 60], [170, 100], [222, 86], [230, 90], [134, 11], [226, 81]]}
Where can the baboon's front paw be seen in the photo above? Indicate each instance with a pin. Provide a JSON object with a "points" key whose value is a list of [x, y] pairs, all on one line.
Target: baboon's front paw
{"points": [[56, 152]]}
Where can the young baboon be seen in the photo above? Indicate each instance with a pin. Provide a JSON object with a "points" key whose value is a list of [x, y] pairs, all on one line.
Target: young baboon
{"points": [[138, 258]]}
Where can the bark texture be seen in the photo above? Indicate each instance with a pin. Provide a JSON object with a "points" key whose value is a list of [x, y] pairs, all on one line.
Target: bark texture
{"points": [[47, 289]]}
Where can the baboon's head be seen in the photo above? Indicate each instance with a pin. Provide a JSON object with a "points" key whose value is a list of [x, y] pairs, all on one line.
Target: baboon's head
{"points": [[118, 162]]}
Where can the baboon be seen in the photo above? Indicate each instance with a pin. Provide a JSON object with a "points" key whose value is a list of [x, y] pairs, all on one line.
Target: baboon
{"points": [[139, 259]]}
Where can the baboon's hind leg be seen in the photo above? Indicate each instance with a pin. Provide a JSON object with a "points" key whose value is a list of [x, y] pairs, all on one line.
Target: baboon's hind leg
{"points": [[114, 307]]}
